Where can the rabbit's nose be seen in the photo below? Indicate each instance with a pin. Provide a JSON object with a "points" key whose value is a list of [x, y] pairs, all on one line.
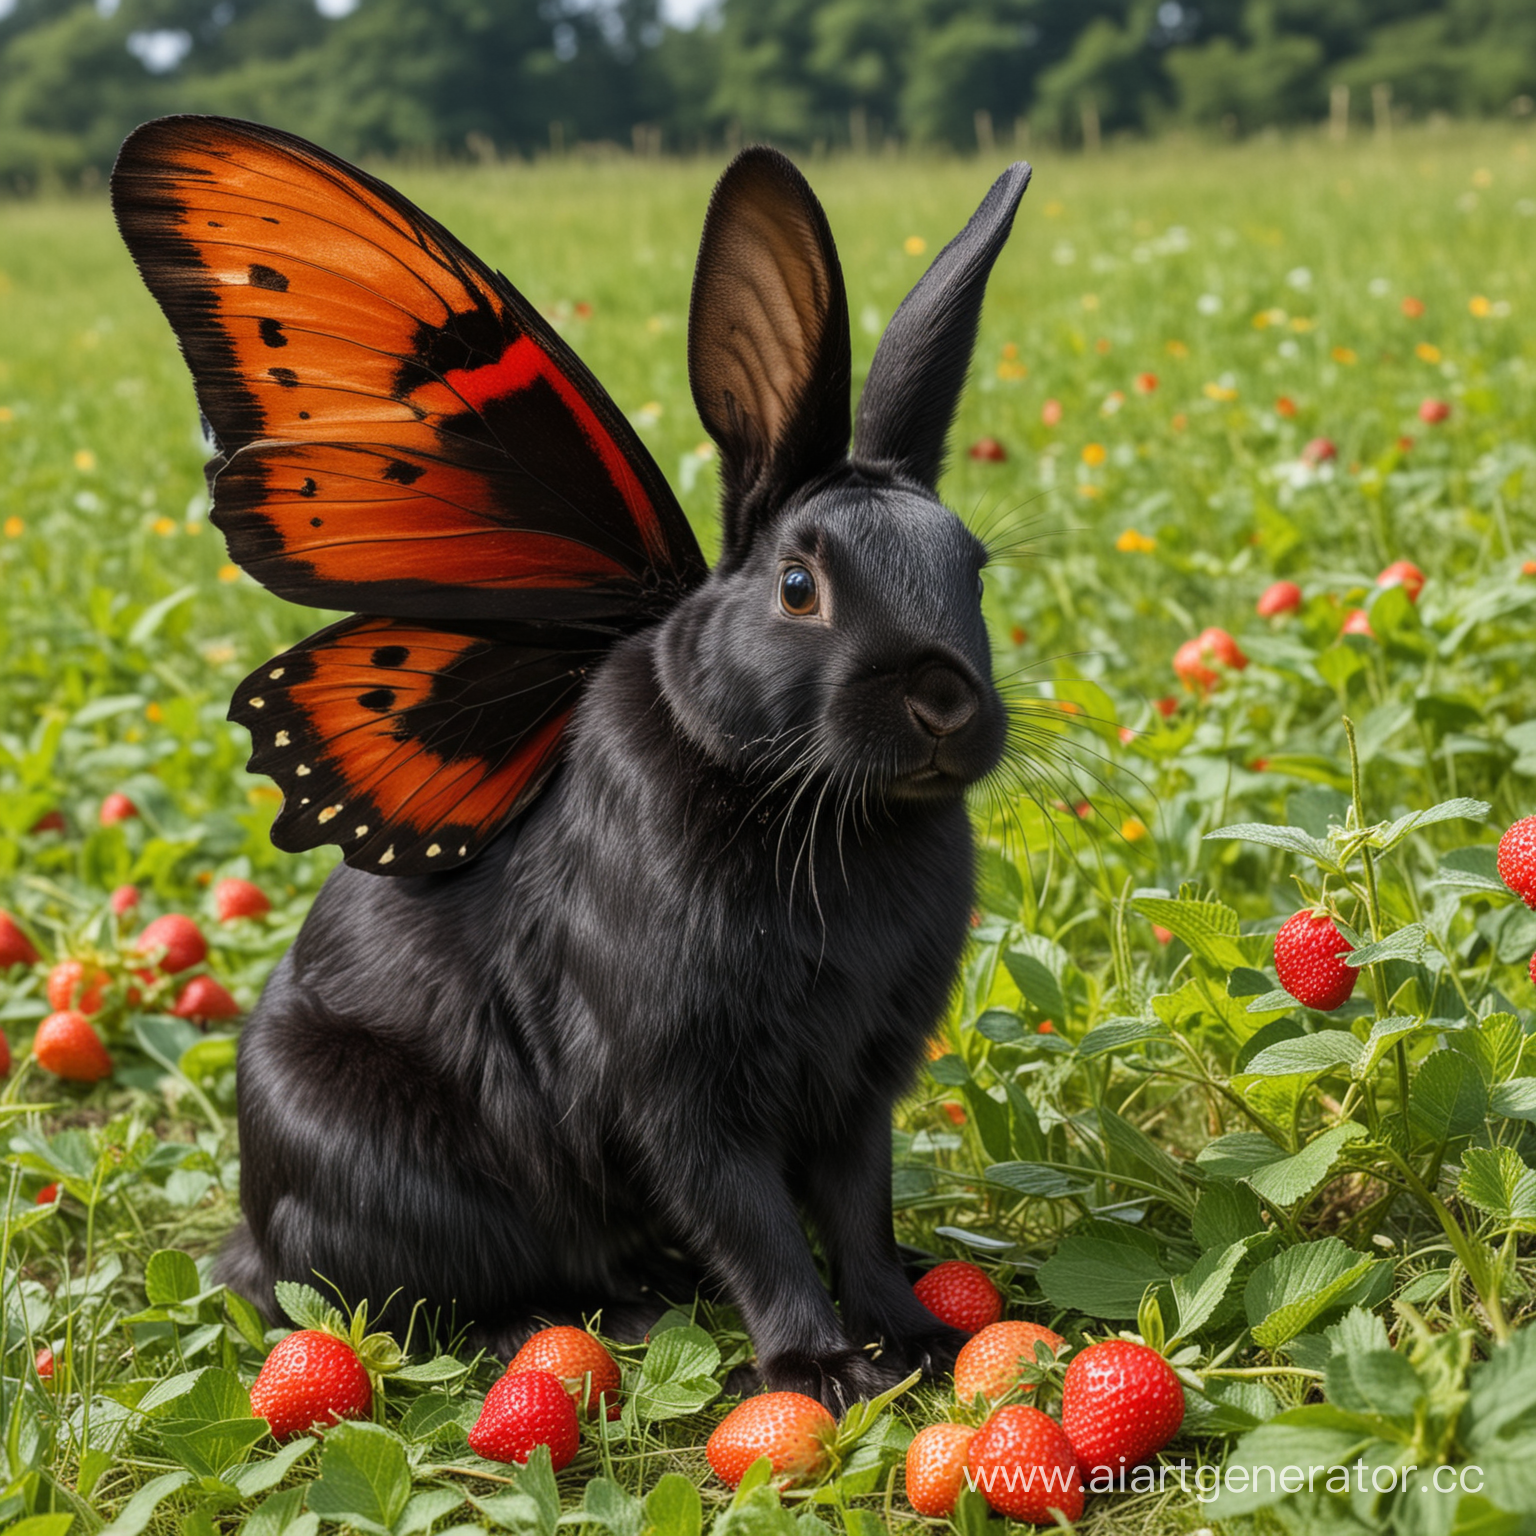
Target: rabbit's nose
{"points": [[940, 700]]}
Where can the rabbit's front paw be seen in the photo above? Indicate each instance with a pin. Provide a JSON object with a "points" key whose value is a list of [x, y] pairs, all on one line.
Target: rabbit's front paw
{"points": [[929, 1350], [837, 1379]]}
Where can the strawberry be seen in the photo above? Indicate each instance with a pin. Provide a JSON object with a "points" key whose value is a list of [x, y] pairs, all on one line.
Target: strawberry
{"points": [[310, 1378], [589, 1373], [936, 1468], [1517, 859], [5, 1055], [67, 1046], [961, 1295], [179, 937], [1404, 574], [995, 1361], [72, 984], [1195, 663], [124, 899], [1167, 707], [1320, 450], [47, 1194], [989, 451], [522, 1411], [1280, 597], [955, 1113], [790, 1429], [1022, 1464], [239, 898], [1307, 950], [42, 1363], [1120, 1403], [50, 821], [15, 947], [117, 807], [1433, 412], [1358, 622], [202, 999]]}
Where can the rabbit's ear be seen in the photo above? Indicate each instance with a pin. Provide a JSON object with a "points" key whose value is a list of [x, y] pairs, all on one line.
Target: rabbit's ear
{"points": [[920, 365], [768, 353]]}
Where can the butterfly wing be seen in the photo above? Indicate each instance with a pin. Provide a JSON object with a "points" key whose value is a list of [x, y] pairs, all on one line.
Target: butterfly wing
{"points": [[400, 433]]}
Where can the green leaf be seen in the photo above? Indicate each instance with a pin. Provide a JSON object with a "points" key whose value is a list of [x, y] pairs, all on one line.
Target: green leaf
{"points": [[1000, 1026], [1099, 1277], [1276, 1001], [1462, 809], [1264, 1456], [364, 1478], [1198, 1294], [1376, 1381], [306, 1307], [425, 1508], [1307, 1055], [1225, 1213], [439, 1368], [1209, 928], [1497, 1181], [1129, 1151], [1502, 1392], [676, 1377], [1515, 1100], [1291, 839], [1040, 988], [1037, 1179], [43, 1525], [170, 1276], [1288, 1293], [1278, 1176], [950, 1070], [280, 1515], [1405, 944], [149, 622], [673, 1507], [140, 1509], [210, 1448], [436, 1416], [1385, 1033], [1116, 1034], [258, 1476], [1448, 1097]]}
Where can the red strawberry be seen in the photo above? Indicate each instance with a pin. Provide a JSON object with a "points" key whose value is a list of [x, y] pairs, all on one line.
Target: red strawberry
{"points": [[239, 898], [1433, 412], [1320, 450], [573, 1356], [790, 1429], [47, 1194], [117, 807], [522, 1411], [1022, 1464], [1307, 950], [936, 1468], [961, 1295], [124, 899], [310, 1378], [42, 1363], [1404, 574], [1281, 597], [989, 451], [1120, 1403], [5, 1055], [181, 939], [1358, 622], [1517, 859], [955, 1114], [994, 1362], [202, 999], [15, 947], [67, 1046], [1195, 663], [72, 984], [50, 821]]}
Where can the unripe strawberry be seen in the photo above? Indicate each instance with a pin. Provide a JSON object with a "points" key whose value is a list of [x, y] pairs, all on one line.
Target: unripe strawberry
{"points": [[995, 1362], [310, 1378], [522, 1411], [181, 939], [15, 947], [580, 1362], [936, 1468], [234, 898], [67, 1046], [1404, 574], [1022, 1464], [790, 1429], [961, 1295], [1517, 859], [1120, 1403], [74, 984], [117, 807], [1307, 950], [203, 999], [1280, 597]]}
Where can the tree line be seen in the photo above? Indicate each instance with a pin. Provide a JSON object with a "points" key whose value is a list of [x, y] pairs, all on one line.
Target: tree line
{"points": [[494, 78]]}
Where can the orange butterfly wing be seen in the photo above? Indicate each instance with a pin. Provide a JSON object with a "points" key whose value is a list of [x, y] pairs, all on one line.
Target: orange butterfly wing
{"points": [[400, 433]]}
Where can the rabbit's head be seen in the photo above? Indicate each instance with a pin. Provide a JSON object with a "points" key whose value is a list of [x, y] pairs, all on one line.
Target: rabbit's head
{"points": [[840, 635]]}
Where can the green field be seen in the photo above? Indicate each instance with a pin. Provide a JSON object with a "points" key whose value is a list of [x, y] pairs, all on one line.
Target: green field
{"points": [[1170, 327]]}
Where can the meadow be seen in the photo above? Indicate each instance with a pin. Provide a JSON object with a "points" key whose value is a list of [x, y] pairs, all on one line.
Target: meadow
{"points": [[1202, 369]]}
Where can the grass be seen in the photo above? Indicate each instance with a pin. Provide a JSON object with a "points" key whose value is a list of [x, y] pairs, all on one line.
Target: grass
{"points": [[1199, 315]]}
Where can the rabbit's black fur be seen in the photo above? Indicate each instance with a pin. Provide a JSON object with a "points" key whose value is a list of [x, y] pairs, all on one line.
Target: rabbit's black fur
{"points": [[667, 1014]]}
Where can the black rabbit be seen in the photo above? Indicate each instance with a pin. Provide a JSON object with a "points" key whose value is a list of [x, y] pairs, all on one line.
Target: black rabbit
{"points": [[665, 1014]]}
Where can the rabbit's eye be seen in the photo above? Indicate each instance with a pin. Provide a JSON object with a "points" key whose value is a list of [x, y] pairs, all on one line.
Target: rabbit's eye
{"points": [[797, 591]]}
